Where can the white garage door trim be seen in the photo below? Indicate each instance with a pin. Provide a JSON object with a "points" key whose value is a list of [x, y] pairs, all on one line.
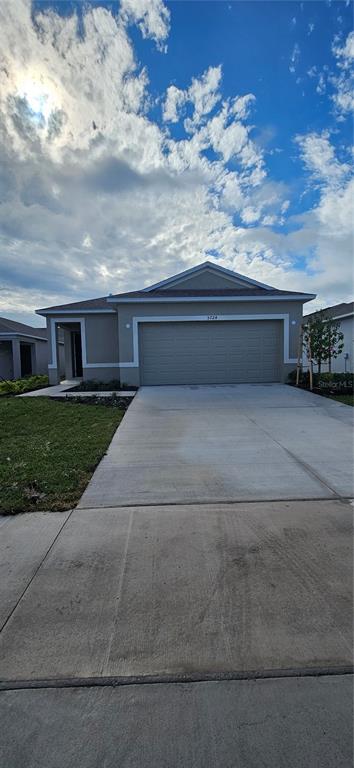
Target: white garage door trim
{"points": [[203, 318]]}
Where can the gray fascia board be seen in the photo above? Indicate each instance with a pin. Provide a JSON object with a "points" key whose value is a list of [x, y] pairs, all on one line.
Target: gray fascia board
{"points": [[192, 299], [17, 335], [342, 317], [45, 312]]}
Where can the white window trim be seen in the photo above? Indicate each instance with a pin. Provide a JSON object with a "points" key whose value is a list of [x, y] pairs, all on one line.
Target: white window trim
{"points": [[202, 318], [53, 337]]}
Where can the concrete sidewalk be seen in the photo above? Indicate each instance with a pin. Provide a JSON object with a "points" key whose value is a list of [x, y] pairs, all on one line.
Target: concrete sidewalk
{"points": [[159, 591], [104, 597], [180, 445], [294, 723]]}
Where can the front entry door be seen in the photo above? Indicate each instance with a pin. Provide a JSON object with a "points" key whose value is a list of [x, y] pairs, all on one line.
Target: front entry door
{"points": [[26, 359], [76, 353]]}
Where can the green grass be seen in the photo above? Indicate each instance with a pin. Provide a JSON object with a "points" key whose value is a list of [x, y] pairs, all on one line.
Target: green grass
{"points": [[49, 450], [346, 399]]}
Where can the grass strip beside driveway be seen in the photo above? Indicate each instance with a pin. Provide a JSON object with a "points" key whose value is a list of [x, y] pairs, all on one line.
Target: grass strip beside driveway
{"points": [[346, 399], [49, 450]]}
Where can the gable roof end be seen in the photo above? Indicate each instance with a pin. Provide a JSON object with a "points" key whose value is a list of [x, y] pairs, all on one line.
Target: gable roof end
{"points": [[205, 265]]}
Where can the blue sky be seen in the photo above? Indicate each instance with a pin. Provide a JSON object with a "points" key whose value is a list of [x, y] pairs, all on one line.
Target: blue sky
{"points": [[254, 42], [137, 138]]}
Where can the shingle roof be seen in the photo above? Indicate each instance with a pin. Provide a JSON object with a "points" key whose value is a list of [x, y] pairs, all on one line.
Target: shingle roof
{"points": [[158, 293], [180, 293], [12, 326], [337, 310], [99, 303]]}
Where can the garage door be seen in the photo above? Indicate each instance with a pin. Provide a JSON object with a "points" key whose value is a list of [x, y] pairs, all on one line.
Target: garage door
{"points": [[210, 352]]}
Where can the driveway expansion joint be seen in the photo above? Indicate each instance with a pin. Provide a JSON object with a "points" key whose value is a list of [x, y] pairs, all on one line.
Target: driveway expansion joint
{"points": [[34, 574], [208, 677], [213, 502]]}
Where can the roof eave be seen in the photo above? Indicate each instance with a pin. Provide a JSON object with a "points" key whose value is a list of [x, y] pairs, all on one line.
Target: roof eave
{"points": [[343, 317], [11, 334], [82, 311], [304, 297]]}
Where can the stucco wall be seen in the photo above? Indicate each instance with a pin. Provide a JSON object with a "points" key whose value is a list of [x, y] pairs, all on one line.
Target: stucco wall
{"points": [[205, 280], [101, 332], [127, 312], [41, 357], [109, 339], [6, 367], [102, 338], [340, 364]]}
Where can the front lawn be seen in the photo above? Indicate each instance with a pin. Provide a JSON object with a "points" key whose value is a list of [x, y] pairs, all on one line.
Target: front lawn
{"points": [[346, 399], [49, 450]]}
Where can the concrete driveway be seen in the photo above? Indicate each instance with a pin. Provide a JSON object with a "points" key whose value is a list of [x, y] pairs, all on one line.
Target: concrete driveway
{"points": [[244, 442], [204, 632]]}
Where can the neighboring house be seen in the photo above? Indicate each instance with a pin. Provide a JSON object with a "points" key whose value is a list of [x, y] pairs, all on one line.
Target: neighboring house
{"points": [[345, 314], [203, 326], [23, 350]]}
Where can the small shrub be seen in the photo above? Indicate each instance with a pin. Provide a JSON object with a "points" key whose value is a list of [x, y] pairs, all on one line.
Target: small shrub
{"points": [[292, 377], [91, 385], [339, 382], [27, 384], [112, 400]]}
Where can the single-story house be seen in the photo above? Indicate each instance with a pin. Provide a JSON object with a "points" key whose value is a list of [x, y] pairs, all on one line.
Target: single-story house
{"points": [[344, 313], [23, 349], [206, 325]]}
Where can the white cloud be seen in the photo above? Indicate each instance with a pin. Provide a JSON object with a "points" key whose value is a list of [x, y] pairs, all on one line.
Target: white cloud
{"points": [[151, 16], [241, 106], [97, 197], [89, 86], [203, 94], [321, 85], [175, 99], [344, 82], [87, 242], [319, 158], [294, 58], [346, 52]]}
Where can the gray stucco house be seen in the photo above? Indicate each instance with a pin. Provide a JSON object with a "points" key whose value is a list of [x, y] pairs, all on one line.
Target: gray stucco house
{"points": [[23, 349], [203, 326], [344, 313]]}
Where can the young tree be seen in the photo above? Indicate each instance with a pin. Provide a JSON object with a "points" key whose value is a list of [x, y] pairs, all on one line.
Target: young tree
{"points": [[322, 339], [334, 340]]}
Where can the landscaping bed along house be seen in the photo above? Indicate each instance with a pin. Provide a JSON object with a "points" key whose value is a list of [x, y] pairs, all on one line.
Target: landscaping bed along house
{"points": [[49, 450], [19, 386], [337, 386], [91, 385]]}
